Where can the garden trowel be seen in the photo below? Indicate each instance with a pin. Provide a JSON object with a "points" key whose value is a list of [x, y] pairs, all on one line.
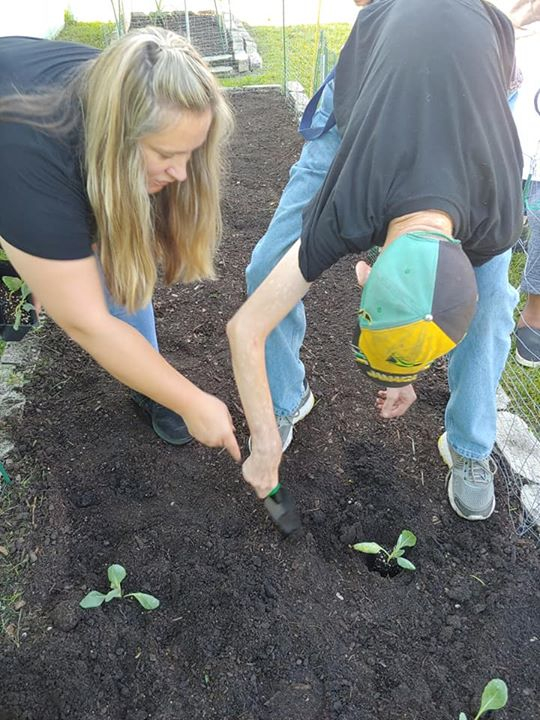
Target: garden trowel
{"points": [[281, 508]]}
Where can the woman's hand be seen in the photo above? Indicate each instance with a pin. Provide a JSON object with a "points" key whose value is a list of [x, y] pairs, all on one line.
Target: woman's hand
{"points": [[260, 470], [211, 424], [394, 402]]}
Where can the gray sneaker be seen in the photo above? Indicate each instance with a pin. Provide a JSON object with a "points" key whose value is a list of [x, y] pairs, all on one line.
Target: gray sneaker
{"points": [[285, 423], [470, 483], [528, 346]]}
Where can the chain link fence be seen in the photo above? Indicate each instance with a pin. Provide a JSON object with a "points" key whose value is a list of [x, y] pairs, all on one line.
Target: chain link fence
{"points": [[518, 428]]}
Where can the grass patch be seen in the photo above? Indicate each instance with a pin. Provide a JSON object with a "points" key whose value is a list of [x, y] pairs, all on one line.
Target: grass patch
{"points": [[301, 42], [95, 34]]}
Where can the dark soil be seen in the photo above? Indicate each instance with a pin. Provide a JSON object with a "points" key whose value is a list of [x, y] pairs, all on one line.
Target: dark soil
{"points": [[8, 310], [253, 626]]}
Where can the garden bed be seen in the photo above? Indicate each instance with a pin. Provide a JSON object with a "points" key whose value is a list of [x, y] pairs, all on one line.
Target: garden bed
{"points": [[252, 626]]}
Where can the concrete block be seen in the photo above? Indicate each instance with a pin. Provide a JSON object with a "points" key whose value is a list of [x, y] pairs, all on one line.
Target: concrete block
{"points": [[296, 91], [520, 447], [24, 353], [242, 61], [503, 401], [6, 447], [11, 401], [255, 61]]}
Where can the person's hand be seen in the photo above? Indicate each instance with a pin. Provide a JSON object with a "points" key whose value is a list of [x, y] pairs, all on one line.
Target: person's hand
{"points": [[260, 470], [211, 424], [394, 402]]}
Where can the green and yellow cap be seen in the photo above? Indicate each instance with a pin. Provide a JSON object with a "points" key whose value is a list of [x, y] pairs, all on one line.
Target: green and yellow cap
{"points": [[417, 305]]}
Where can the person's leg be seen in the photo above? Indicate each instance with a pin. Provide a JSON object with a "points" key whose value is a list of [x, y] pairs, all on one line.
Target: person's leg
{"points": [[168, 425], [142, 320], [284, 367], [475, 366], [474, 370], [528, 326]]}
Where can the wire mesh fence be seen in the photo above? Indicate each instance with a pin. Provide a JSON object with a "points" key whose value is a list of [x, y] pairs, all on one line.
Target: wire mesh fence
{"points": [[518, 430], [281, 42]]}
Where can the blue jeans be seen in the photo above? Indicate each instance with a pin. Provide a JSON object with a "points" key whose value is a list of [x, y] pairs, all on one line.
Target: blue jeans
{"points": [[283, 365], [475, 366], [142, 320], [530, 282]]}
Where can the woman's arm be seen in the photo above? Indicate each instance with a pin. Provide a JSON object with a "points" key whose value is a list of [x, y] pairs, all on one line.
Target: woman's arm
{"points": [[247, 332], [71, 292]]}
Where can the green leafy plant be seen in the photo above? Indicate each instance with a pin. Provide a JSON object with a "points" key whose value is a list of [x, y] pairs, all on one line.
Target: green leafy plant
{"points": [[19, 291], [494, 697], [406, 539], [116, 574]]}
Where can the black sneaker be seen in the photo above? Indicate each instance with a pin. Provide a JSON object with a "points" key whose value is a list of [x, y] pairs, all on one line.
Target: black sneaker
{"points": [[168, 425], [528, 346]]}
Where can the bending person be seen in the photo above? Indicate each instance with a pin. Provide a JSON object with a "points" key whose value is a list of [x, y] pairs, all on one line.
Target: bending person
{"points": [[109, 172], [428, 168]]}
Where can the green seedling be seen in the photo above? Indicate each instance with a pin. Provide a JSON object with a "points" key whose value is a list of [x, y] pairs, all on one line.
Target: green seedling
{"points": [[116, 574], [494, 697], [19, 291], [406, 539]]}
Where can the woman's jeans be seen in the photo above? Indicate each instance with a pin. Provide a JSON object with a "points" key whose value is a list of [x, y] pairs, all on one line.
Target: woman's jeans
{"points": [[475, 366], [142, 320]]}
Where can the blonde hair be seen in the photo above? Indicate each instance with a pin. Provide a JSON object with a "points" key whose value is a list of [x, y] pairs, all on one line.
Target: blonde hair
{"points": [[127, 92]]}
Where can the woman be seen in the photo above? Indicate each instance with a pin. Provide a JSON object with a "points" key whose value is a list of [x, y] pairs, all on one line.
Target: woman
{"points": [[109, 171]]}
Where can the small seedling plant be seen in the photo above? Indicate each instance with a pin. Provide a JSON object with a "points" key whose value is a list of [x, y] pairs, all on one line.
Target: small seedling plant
{"points": [[494, 697], [406, 539], [18, 293], [116, 575]]}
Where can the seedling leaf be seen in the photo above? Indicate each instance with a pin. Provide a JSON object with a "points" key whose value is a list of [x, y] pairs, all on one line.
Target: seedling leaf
{"points": [[406, 539], [494, 697], [462, 716], [28, 307], [115, 593], [13, 284], [92, 600], [116, 574], [405, 564], [149, 602], [368, 547]]}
